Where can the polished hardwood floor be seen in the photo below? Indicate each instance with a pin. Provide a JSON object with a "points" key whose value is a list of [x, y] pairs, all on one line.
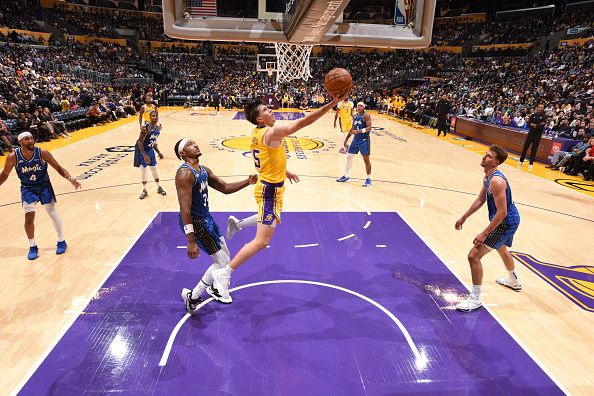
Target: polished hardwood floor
{"points": [[429, 181]]}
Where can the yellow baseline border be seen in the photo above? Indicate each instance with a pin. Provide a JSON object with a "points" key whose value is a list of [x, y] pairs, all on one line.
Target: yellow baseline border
{"points": [[86, 133]]}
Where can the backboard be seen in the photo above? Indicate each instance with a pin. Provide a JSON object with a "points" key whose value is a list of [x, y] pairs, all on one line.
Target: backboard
{"points": [[317, 22]]}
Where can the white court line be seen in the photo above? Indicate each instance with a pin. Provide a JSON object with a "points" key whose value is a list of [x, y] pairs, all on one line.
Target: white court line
{"points": [[340, 195], [420, 359], [34, 368], [350, 199], [308, 245], [520, 343], [346, 237], [181, 247], [380, 246]]}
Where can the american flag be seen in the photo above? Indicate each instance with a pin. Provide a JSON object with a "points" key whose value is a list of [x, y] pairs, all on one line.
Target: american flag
{"points": [[199, 8]]}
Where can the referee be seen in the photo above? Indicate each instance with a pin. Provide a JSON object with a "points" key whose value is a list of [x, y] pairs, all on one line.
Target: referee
{"points": [[536, 123]]}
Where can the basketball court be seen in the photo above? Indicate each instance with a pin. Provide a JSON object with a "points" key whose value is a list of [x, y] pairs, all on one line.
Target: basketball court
{"points": [[354, 295]]}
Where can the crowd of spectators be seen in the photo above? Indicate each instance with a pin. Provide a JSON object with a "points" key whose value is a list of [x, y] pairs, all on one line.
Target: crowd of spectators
{"points": [[101, 22], [21, 38], [450, 33], [499, 89], [572, 19], [515, 31], [35, 98], [505, 91]]}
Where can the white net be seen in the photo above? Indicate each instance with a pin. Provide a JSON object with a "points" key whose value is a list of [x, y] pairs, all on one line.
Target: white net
{"points": [[292, 61]]}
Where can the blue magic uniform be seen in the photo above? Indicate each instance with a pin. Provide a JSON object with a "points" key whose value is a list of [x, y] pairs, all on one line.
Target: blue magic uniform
{"points": [[35, 182], [361, 142], [206, 231], [150, 140], [503, 234]]}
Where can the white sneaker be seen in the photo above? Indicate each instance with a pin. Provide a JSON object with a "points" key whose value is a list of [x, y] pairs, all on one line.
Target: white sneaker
{"points": [[214, 293], [232, 226], [190, 305], [221, 283], [530, 167], [520, 164], [507, 283], [470, 304]]}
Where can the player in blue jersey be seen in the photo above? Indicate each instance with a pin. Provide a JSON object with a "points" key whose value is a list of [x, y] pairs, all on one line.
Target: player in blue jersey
{"points": [[499, 234], [192, 181], [146, 151], [361, 144], [31, 163]]}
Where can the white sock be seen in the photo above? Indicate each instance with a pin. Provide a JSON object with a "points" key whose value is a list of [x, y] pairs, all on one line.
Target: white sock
{"points": [[369, 175], [221, 258], [201, 286], [513, 278], [32, 242], [349, 164], [248, 222], [476, 292], [53, 214], [155, 174], [228, 270]]}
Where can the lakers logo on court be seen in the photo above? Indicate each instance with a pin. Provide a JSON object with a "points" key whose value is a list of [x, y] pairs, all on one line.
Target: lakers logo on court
{"points": [[576, 283], [296, 146], [579, 185]]}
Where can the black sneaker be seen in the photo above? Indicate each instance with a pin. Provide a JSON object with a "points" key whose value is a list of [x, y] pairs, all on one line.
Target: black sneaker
{"points": [[190, 304], [161, 191]]}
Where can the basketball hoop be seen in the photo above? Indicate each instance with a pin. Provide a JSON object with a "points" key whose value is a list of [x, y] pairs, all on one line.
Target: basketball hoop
{"points": [[292, 61]]}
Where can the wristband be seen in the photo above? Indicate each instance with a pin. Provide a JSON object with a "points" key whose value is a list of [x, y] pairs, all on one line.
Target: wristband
{"points": [[71, 178], [188, 229]]}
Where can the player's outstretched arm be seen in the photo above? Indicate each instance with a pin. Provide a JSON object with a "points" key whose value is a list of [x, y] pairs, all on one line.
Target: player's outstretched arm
{"points": [[184, 180], [276, 133], [8, 165], [228, 188], [476, 205], [49, 158]]}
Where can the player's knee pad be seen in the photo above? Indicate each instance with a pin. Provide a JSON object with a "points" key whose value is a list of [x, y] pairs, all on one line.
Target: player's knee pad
{"points": [[143, 173], [220, 258], [29, 207], [52, 211], [224, 246]]}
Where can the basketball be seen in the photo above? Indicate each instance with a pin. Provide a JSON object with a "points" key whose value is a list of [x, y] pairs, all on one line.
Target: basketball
{"points": [[338, 82]]}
